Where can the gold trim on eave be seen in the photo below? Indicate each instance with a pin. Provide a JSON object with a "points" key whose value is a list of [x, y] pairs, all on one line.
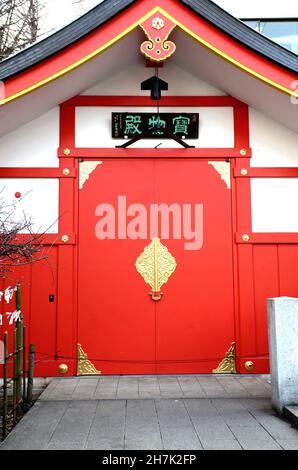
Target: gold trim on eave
{"points": [[129, 30]]}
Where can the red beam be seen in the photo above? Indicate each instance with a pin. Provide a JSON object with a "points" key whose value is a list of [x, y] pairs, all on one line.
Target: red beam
{"points": [[37, 172], [153, 152], [89, 100], [268, 237], [266, 172], [49, 238]]}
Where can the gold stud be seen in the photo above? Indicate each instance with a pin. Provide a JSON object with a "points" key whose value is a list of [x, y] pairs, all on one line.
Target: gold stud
{"points": [[66, 171], [63, 369], [65, 238], [243, 152], [243, 171], [245, 237], [66, 151], [249, 365]]}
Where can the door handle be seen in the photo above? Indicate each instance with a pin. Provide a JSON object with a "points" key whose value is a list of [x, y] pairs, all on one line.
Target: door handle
{"points": [[156, 296]]}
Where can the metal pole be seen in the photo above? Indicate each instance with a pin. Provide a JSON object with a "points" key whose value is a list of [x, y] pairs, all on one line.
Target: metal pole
{"points": [[30, 374], [5, 394]]}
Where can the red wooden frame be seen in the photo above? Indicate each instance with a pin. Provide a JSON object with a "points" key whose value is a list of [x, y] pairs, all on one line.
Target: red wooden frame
{"points": [[241, 212]]}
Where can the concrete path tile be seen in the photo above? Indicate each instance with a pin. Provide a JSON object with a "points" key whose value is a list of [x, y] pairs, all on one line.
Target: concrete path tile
{"points": [[256, 403], [85, 389], [233, 413], [149, 387], [106, 387], [275, 426], [191, 387], [107, 429], [288, 444], [254, 386], [142, 428], [233, 387], [64, 446], [176, 428], [254, 438], [211, 387], [169, 387], [221, 444], [209, 424], [36, 430], [128, 387], [74, 426]]}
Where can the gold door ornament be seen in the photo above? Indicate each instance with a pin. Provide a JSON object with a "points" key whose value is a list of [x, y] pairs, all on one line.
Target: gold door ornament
{"points": [[156, 265], [84, 365], [228, 364]]}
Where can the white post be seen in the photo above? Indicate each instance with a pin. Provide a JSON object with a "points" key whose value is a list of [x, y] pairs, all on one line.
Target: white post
{"points": [[283, 348]]}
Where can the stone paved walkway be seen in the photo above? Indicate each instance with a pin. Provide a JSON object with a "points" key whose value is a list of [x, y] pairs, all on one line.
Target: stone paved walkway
{"points": [[165, 412]]}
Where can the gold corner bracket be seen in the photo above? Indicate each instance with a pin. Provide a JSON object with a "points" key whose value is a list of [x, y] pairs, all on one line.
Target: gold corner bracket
{"points": [[228, 364], [84, 366]]}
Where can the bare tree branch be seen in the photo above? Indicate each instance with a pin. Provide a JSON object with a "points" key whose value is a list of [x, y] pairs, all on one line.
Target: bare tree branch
{"points": [[19, 245], [19, 25]]}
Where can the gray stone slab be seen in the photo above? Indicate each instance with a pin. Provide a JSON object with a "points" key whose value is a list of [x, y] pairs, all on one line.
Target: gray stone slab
{"points": [[254, 387], [64, 446], [169, 387], [148, 442], [260, 403], [212, 387], [142, 428], [220, 444], [106, 387], [176, 427], [109, 443], [108, 425], [191, 387], [233, 413], [85, 389], [149, 387], [254, 438], [288, 444], [62, 390], [275, 426], [232, 386], [74, 427], [36, 430]]}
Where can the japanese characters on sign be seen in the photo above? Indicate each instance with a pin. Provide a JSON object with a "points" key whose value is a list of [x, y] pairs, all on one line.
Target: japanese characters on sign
{"points": [[155, 125], [14, 316]]}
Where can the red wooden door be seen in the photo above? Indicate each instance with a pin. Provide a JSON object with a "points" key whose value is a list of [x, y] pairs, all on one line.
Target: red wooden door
{"points": [[120, 327]]}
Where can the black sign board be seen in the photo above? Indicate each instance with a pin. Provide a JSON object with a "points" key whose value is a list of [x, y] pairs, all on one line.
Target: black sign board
{"points": [[155, 125]]}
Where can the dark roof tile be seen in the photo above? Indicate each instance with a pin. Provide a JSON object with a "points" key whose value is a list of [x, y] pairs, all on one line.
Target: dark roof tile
{"points": [[109, 8]]}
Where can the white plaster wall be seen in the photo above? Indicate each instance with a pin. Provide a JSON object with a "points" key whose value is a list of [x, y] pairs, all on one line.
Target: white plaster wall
{"points": [[274, 203], [260, 9], [128, 82], [272, 144], [34, 144], [93, 127], [39, 201]]}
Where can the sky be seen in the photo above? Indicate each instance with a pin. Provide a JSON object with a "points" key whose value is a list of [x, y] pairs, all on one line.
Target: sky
{"points": [[58, 13]]}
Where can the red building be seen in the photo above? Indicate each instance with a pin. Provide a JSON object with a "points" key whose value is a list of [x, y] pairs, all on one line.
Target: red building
{"points": [[206, 224]]}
